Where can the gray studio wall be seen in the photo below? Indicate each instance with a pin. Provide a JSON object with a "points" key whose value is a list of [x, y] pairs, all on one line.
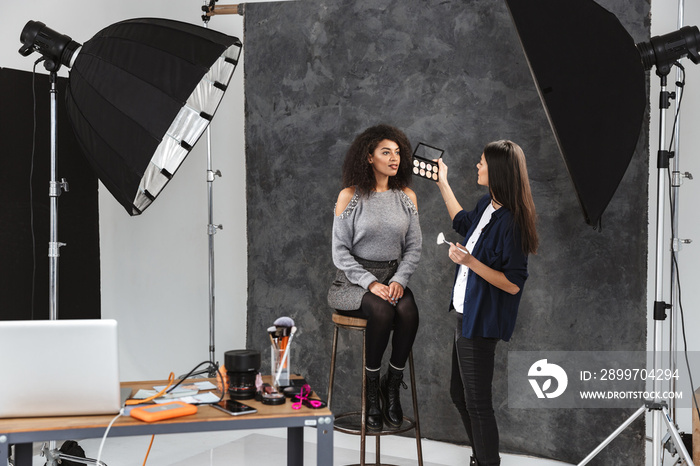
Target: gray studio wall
{"points": [[451, 74]]}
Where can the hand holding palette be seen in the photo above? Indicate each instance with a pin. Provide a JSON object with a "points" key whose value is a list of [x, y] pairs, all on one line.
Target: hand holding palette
{"points": [[423, 165]]}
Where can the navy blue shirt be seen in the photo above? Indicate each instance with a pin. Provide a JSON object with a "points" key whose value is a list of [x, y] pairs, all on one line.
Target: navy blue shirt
{"points": [[489, 311]]}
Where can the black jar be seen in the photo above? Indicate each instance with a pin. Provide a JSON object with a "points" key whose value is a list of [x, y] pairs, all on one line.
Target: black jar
{"points": [[241, 368]]}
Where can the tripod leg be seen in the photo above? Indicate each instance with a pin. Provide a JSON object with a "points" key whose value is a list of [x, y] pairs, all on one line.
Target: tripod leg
{"points": [[612, 436], [54, 457], [680, 446], [76, 459]]}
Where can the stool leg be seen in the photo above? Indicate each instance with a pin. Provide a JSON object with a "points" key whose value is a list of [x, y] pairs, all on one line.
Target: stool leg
{"points": [[377, 455], [363, 410], [332, 371], [419, 449]]}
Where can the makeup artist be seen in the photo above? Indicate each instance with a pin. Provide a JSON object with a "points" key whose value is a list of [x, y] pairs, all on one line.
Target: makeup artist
{"points": [[489, 279], [376, 247]]}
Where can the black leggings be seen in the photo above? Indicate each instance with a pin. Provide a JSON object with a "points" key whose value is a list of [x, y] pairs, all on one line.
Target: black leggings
{"points": [[381, 318]]}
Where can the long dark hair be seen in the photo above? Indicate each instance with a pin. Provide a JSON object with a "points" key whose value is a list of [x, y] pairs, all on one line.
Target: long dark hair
{"points": [[357, 171], [509, 185]]}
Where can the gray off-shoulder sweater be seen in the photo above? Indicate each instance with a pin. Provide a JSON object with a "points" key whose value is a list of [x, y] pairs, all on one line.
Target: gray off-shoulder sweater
{"points": [[382, 227]]}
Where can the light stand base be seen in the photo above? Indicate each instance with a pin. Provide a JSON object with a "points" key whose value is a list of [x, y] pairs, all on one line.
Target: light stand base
{"points": [[54, 457], [672, 431]]}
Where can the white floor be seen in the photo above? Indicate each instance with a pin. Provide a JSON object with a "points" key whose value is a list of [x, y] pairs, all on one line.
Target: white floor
{"points": [[268, 447]]}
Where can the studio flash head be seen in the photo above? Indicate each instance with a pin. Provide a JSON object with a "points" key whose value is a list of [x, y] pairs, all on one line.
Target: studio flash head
{"points": [[56, 48], [663, 51]]}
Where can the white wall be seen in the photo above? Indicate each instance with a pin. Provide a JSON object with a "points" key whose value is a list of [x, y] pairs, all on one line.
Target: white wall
{"points": [[664, 20]]}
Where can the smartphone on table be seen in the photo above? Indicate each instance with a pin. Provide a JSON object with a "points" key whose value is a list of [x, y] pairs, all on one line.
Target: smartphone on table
{"points": [[234, 408]]}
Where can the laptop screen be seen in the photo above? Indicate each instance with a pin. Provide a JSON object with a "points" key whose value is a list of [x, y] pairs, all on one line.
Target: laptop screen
{"points": [[59, 368]]}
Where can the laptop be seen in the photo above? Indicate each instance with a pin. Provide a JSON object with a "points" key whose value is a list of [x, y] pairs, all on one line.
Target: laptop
{"points": [[59, 368]]}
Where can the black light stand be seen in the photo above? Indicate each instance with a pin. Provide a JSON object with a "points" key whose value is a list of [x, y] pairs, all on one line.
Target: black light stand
{"points": [[662, 52], [211, 369], [211, 231], [56, 50], [55, 189], [212, 228], [657, 408], [677, 179]]}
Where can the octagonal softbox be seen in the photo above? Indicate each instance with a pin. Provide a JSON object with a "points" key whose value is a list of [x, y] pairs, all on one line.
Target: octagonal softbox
{"points": [[141, 93]]}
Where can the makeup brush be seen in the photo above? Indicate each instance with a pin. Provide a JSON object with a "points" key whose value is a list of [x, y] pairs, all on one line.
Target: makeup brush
{"points": [[284, 322], [270, 332], [283, 325], [284, 357], [441, 239]]}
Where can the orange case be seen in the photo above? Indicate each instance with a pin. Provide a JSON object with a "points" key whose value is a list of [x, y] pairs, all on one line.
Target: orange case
{"points": [[158, 412]]}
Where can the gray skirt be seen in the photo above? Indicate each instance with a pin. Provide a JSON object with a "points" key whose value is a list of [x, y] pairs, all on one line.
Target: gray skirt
{"points": [[346, 296]]}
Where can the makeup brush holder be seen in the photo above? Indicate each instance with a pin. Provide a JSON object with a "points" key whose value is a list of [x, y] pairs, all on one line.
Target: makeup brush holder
{"points": [[276, 359]]}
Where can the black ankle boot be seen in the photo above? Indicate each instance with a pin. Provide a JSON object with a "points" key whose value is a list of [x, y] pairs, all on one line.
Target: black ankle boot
{"points": [[389, 389], [373, 420]]}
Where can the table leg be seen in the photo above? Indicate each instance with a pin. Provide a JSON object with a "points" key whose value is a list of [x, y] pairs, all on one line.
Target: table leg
{"points": [[23, 453], [295, 446], [324, 442], [4, 450]]}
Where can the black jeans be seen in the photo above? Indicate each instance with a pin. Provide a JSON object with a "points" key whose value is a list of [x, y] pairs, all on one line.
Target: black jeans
{"points": [[470, 388]]}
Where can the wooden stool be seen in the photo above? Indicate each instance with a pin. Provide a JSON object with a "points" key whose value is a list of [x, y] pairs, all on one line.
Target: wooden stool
{"points": [[355, 323]]}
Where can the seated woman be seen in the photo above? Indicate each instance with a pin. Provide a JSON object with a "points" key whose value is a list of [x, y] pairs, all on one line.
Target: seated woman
{"points": [[376, 247]]}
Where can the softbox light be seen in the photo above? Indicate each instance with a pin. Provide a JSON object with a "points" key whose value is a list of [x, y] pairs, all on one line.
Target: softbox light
{"points": [[140, 94], [592, 84]]}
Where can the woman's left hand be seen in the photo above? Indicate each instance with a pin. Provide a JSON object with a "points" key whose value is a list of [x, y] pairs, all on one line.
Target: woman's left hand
{"points": [[395, 292], [459, 255]]}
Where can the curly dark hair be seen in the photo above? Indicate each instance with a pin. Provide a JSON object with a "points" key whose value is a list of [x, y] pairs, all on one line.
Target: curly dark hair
{"points": [[358, 172]]}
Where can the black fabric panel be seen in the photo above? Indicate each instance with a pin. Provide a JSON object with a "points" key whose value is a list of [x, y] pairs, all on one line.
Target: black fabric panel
{"points": [[78, 219]]}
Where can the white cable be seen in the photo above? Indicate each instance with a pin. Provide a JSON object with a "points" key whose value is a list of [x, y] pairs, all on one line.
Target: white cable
{"points": [[104, 437]]}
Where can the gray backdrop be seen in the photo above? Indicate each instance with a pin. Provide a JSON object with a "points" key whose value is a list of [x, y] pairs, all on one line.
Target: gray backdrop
{"points": [[451, 74]]}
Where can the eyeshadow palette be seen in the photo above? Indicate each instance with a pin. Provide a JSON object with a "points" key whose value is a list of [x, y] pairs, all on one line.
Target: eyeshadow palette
{"points": [[423, 165]]}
